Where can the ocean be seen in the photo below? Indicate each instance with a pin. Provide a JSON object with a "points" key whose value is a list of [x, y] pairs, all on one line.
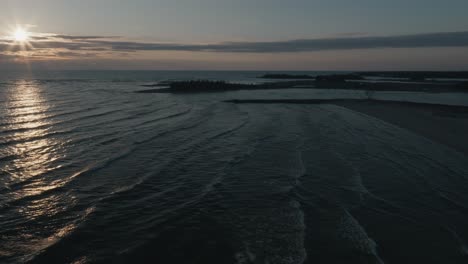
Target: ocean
{"points": [[92, 172]]}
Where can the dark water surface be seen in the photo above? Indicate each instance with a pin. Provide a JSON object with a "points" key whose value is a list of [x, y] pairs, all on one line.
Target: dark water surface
{"points": [[92, 172]]}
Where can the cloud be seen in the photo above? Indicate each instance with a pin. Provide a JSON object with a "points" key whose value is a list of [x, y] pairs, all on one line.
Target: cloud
{"points": [[451, 39], [70, 37], [71, 54], [104, 44], [6, 57]]}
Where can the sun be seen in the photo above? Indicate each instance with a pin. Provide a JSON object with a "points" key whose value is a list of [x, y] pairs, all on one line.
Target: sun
{"points": [[20, 35]]}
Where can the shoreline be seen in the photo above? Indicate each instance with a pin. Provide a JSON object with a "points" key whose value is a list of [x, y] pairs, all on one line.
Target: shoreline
{"points": [[211, 87], [461, 108], [444, 124]]}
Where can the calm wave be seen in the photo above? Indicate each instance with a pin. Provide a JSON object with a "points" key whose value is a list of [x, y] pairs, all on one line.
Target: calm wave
{"points": [[93, 172]]}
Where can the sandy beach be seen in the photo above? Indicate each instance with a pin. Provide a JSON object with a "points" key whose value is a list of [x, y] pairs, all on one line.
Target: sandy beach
{"points": [[444, 124]]}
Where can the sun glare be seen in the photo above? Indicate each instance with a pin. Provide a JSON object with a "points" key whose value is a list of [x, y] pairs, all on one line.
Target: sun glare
{"points": [[21, 35]]}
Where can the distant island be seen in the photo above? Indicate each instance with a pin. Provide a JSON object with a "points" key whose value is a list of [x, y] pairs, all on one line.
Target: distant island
{"points": [[354, 81], [332, 77], [408, 75], [417, 75], [338, 78], [286, 76], [197, 86]]}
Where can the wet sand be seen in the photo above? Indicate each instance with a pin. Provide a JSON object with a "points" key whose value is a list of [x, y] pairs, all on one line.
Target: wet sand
{"points": [[444, 124]]}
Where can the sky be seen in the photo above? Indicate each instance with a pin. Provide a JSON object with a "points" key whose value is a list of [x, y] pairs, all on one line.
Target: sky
{"points": [[235, 35]]}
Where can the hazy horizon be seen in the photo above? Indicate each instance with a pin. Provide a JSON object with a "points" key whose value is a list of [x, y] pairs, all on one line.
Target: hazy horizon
{"points": [[213, 35]]}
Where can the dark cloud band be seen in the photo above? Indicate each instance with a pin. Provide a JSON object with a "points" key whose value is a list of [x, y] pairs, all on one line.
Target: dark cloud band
{"points": [[103, 43]]}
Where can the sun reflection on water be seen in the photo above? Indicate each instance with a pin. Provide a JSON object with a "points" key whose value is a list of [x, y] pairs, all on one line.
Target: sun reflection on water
{"points": [[27, 109], [29, 174]]}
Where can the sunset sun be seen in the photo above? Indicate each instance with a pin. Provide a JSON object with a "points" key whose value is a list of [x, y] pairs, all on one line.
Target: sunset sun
{"points": [[20, 35]]}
